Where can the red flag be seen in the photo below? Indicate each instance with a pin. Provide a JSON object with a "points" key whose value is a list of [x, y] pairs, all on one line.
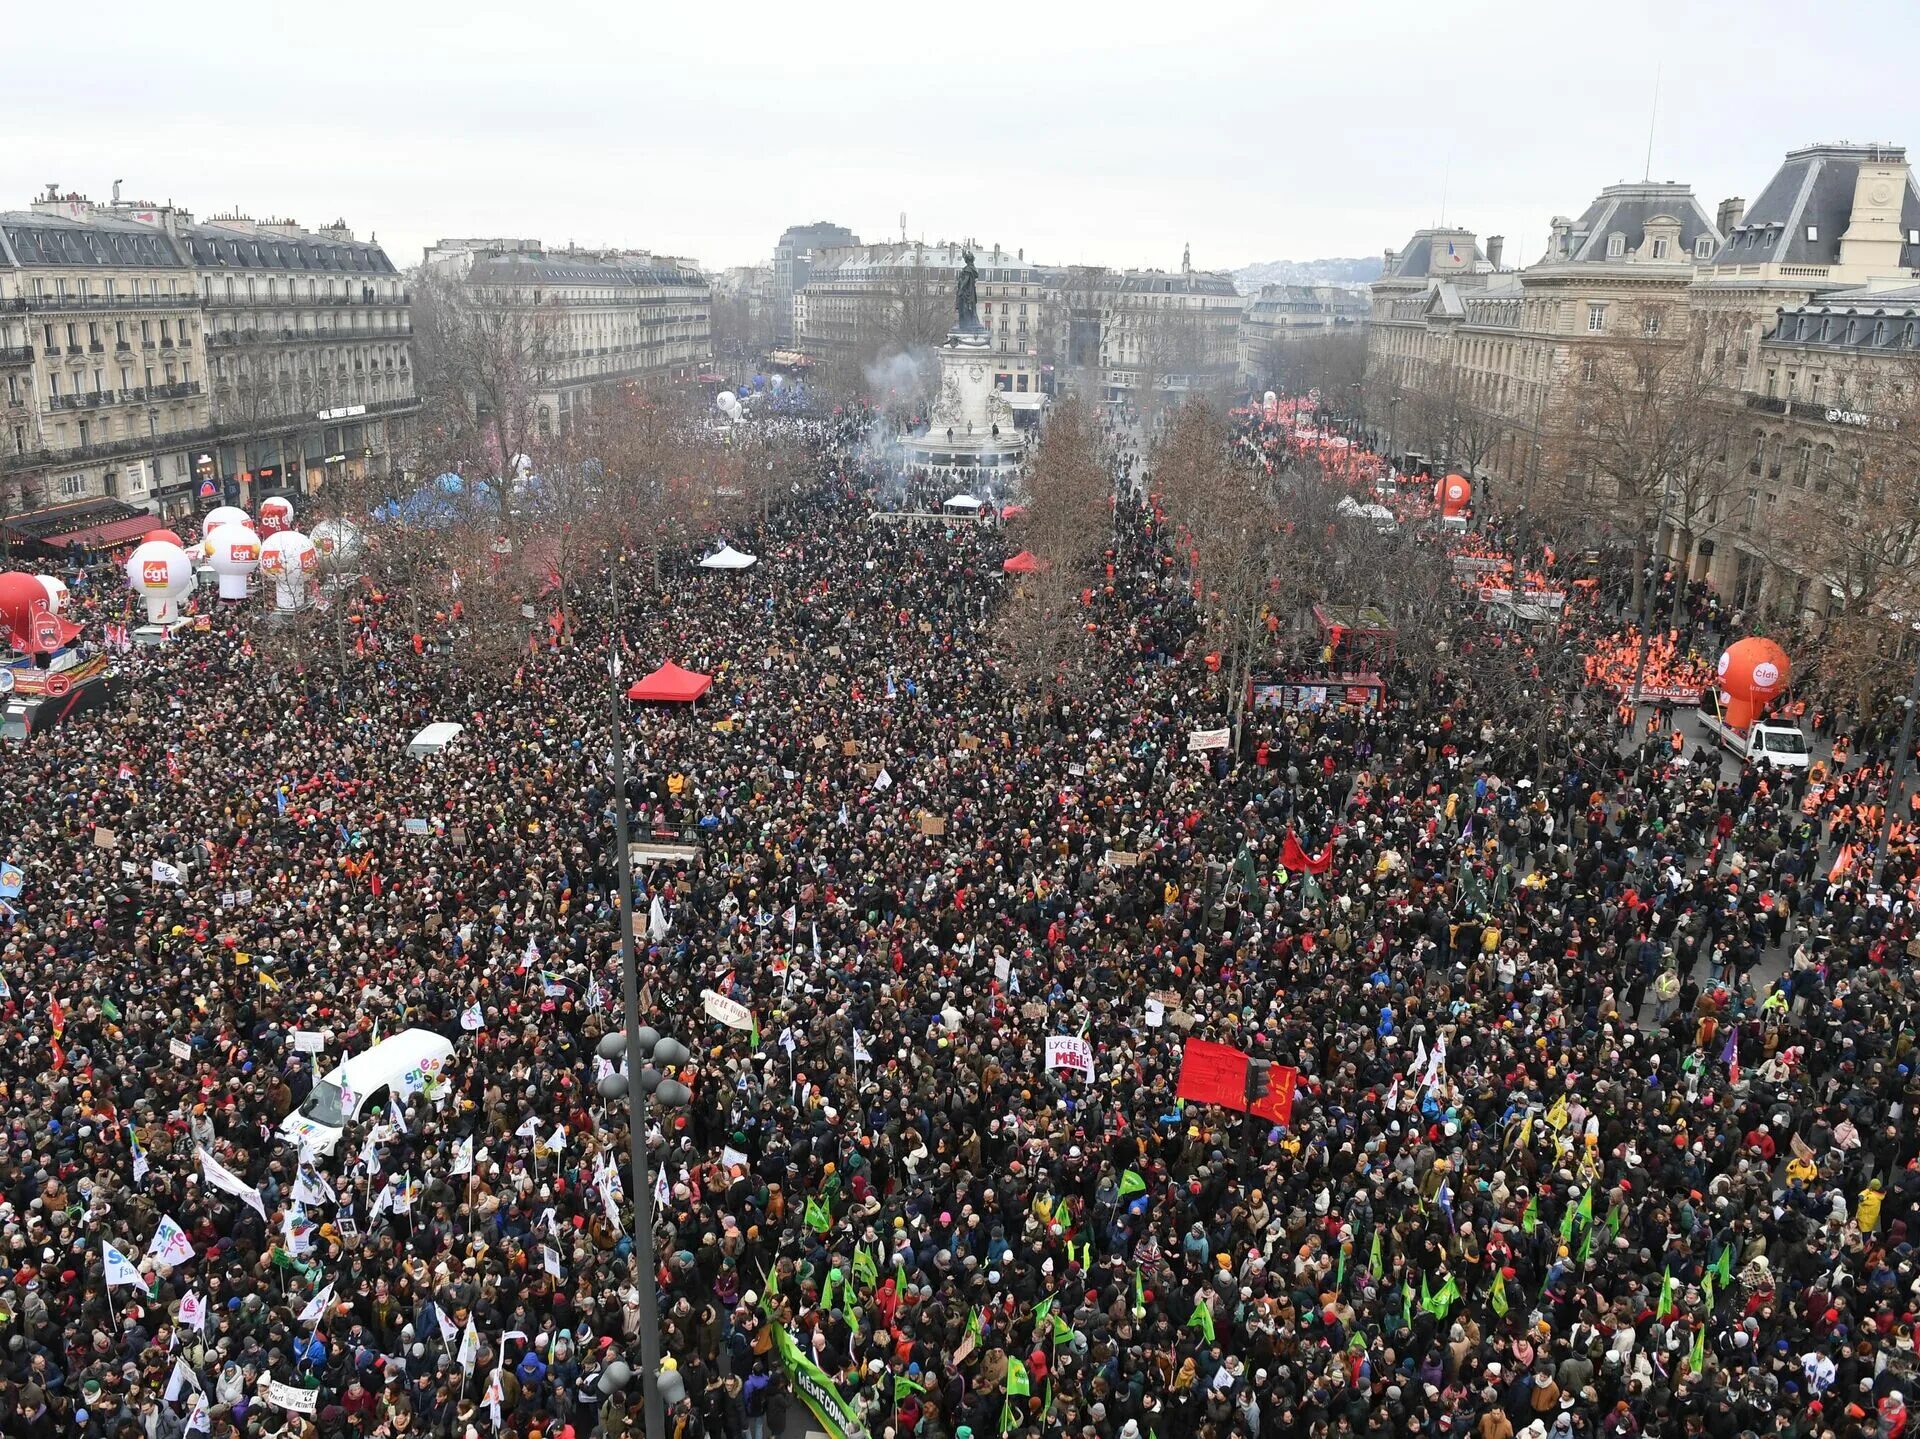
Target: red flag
{"points": [[59, 1056], [56, 1016], [1282, 1081], [1213, 1074], [1292, 856]]}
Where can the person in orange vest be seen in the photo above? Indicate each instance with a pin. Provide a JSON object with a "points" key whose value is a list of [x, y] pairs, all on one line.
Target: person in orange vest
{"points": [[1679, 744]]}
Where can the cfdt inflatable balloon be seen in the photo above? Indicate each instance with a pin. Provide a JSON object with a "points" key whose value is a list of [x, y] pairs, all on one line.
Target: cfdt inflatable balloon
{"points": [[1453, 494], [276, 515], [290, 560], [223, 515], [234, 551], [161, 574], [337, 539], [1751, 672]]}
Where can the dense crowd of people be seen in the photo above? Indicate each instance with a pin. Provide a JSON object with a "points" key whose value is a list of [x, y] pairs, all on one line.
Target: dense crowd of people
{"points": [[1604, 1117]]}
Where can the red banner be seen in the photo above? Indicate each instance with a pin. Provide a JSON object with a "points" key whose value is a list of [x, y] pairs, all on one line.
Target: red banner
{"points": [[1213, 1074], [1294, 856]]}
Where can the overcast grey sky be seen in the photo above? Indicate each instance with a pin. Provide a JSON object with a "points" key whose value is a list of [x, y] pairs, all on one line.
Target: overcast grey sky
{"points": [[1109, 132]]}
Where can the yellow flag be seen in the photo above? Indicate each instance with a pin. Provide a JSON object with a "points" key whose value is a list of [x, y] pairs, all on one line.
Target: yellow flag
{"points": [[1557, 1116]]}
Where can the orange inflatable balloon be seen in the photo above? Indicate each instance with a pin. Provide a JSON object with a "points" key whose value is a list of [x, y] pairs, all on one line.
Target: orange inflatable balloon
{"points": [[1452, 494], [1751, 672]]}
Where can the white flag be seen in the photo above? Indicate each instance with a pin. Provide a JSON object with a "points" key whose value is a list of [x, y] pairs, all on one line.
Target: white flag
{"points": [[447, 1332], [469, 1347], [370, 1156], [396, 1113], [558, 1142], [550, 1261], [180, 1381], [200, 1419], [225, 1180], [311, 1187], [529, 1129], [596, 996], [164, 873], [532, 955], [463, 1157], [317, 1306], [170, 1244], [473, 1017], [193, 1313], [120, 1269], [860, 1054], [657, 923], [883, 781], [661, 1193], [791, 917]]}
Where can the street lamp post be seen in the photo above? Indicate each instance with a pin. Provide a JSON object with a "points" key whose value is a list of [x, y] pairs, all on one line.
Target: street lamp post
{"points": [[636, 1043]]}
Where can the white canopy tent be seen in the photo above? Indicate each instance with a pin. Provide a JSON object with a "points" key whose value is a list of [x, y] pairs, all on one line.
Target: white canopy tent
{"points": [[728, 558], [963, 502]]}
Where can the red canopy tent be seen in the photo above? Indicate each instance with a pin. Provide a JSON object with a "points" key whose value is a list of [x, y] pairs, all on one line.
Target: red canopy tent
{"points": [[671, 685], [1024, 563]]}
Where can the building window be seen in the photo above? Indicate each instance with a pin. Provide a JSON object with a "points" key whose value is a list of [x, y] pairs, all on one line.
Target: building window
{"points": [[1589, 368], [1813, 232], [1703, 248], [1616, 245], [1650, 323], [1773, 383], [1660, 248], [1596, 319]]}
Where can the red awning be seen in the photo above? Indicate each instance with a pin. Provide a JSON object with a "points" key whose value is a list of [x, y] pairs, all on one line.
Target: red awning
{"points": [[670, 685], [102, 537], [1024, 563]]}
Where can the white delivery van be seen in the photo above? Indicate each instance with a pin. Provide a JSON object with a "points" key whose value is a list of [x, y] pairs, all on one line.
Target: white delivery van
{"points": [[401, 1065], [434, 738]]}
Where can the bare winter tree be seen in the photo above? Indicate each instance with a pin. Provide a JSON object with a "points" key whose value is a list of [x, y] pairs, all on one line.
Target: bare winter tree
{"points": [[1259, 547], [481, 359], [1041, 631], [1648, 416]]}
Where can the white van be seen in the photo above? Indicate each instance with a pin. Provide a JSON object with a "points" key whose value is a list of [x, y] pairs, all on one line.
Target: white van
{"points": [[401, 1065]]}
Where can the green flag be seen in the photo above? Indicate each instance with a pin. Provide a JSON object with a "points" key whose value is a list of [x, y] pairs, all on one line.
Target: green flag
{"points": [[1530, 1219], [770, 1286], [974, 1330], [1499, 1296], [1700, 1350], [1442, 1299], [1139, 1289], [1406, 1302], [1665, 1306], [849, 1308], [1017, 1381], [864, 1269], [110, 1009], [1586, 1245], [1202, 1318], [829, 1286], [1615, 1214], [1340, 1276], [1132, 1182], [1706, 1284], [899, 1276], [903, 1386], [1375, 1265], [819, 1217], [1426, 1295], [1723, 1266], [1566, 1224], [1586, 1208], [1062, 1331]]}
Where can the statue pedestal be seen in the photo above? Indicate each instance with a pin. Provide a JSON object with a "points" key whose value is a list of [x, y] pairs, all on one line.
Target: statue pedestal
{"points": [[961, 440]]}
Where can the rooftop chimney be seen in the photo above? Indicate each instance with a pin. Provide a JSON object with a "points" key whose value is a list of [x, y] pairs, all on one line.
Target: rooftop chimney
{"points": [[1732, 212], [1496, 245]]}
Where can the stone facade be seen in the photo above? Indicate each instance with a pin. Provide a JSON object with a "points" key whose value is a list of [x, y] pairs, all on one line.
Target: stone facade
{"points": [[144, 356], [1279, 314], [599, 317]]}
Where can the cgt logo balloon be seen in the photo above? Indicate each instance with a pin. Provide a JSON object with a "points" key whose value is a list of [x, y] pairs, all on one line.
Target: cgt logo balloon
{"points": [[155, 574]]}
